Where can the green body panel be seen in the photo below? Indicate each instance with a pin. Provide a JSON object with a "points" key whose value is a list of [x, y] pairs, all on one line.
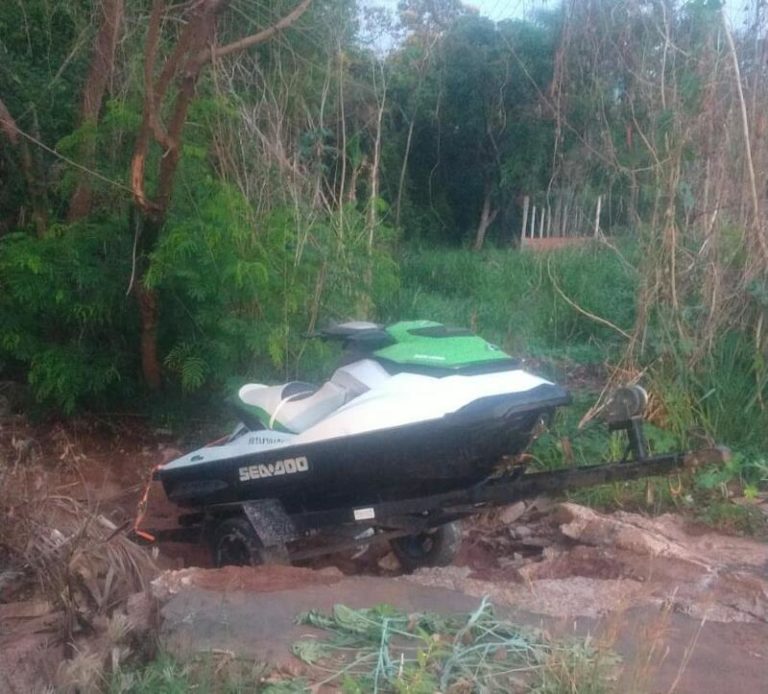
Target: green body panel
{"points": [[448, 350]]}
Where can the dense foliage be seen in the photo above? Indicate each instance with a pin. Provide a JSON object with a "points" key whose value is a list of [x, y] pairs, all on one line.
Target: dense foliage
{"points": [[198, 211]]}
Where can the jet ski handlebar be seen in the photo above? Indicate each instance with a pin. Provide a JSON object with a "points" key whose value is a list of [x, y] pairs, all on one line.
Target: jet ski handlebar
{"points": [[362, 336]]}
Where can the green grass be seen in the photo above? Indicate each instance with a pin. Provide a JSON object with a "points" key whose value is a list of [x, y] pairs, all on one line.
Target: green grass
{"points": [[515, 298], [208, 673], [509, 296], [706, 495], [564, 444], [727, 394]]}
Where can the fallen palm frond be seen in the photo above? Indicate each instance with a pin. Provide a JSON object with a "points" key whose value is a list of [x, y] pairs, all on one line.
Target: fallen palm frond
{"points": [[86, 570], [384, 650], [79, 558]]}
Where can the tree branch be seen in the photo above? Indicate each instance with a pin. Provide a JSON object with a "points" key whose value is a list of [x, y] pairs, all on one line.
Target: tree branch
{"points": [[577, 308], [255, 39], [142, 141], [189, 40], [99, 73], [8, 125]]}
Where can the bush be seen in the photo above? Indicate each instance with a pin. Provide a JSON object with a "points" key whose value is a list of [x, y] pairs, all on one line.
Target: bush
{"points": [[64, 312], [237, 294]]}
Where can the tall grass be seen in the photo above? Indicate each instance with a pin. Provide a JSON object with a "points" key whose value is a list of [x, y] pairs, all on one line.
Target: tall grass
{"points": [[510, 297], [524, 301], [726, 395]]}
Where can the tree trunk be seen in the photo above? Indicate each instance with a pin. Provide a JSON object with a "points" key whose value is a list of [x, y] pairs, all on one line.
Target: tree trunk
{"points": [[373, 200], [8, 124], [375, 165], [36, 178], [147, 230], [31, 167], [194, 48], [99, 74], [148, 310], [403, 169], [152, 217], [486, 218]]}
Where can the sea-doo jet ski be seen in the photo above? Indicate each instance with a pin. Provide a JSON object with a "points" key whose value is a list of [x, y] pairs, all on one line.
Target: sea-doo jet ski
{"points": [[420, 426], [417, 408]]}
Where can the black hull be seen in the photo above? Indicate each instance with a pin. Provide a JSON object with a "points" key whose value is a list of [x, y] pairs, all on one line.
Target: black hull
{"points": [[451, 453]]}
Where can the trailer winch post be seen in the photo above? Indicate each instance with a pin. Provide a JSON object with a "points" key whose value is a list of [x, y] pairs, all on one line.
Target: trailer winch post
{"points": [[624, 412], [638, 444]]}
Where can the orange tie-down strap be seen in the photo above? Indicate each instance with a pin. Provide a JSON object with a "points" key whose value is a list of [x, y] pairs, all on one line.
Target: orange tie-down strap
{"points": [[141, 509]]}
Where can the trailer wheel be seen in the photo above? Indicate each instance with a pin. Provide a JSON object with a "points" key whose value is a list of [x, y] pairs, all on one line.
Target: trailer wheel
{"points": [[436, 547], [234, 542]]}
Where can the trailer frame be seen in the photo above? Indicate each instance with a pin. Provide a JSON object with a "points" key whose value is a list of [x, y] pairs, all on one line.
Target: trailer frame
{"points": [[274, 529]]}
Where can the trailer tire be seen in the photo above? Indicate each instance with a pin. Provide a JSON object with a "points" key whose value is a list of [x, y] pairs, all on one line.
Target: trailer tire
{"points": [[436, 547], [234, 542]]}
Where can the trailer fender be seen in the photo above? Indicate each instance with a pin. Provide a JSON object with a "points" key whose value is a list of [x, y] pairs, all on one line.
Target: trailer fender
{"points": [[270, 522]]}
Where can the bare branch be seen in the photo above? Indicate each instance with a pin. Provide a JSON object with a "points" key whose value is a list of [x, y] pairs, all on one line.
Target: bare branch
{"points": [[758, 227], [8, 125], [255, 39], [579, 309]]}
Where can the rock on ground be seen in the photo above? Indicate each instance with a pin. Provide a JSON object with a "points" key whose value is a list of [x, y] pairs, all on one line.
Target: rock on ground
{"points": [[594, 563]]}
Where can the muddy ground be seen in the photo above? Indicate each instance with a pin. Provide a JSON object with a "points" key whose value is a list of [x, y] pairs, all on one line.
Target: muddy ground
{"points": [[688, 604]]}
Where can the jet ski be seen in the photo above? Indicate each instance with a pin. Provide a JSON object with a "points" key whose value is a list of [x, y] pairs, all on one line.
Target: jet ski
{"points": [[416, 408], [421, 425]]}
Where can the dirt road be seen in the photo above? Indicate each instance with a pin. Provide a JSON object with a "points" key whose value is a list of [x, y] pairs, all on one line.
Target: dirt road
{"points": [[252, 612], [684, 605]]}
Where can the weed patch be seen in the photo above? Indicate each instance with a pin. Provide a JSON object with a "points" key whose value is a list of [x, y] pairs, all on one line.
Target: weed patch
{"points": [[383, 649], [213, 673]]}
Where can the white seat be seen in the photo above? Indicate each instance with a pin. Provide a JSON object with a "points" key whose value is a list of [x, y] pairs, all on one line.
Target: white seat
{"points": [[296, 411], [296, 406]]}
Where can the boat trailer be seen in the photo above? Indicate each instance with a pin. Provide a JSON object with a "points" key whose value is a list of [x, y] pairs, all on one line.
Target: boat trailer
{"points": [[421, 529]]}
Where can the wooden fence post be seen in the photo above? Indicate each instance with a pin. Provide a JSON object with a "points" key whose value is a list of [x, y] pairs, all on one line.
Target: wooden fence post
{"points": [[526, 202], [597, 214], [564, 217], [549, 221]]}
